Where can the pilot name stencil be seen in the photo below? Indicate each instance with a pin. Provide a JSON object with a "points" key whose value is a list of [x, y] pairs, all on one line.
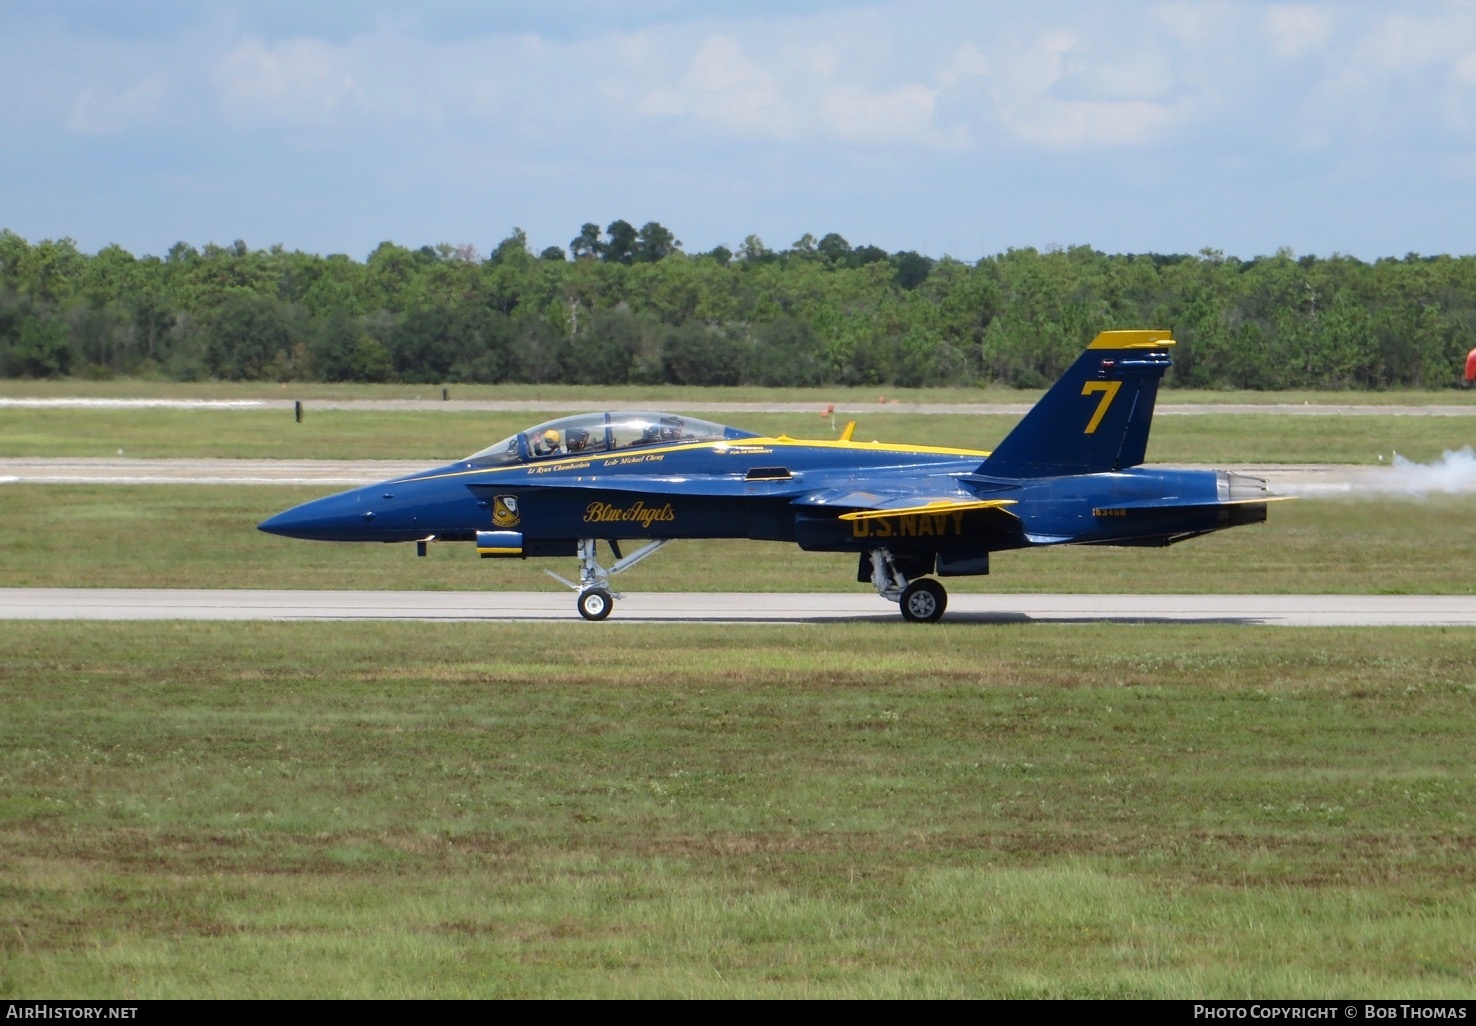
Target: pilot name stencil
{"points": [[639, 512], [647, 458]]}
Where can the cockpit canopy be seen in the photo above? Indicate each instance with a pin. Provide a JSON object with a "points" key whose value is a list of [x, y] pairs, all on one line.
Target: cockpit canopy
{"points": [[590, 434]]}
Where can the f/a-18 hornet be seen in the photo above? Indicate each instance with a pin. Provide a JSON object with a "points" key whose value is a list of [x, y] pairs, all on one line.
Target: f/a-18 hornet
{"points": [[1068, 474]]}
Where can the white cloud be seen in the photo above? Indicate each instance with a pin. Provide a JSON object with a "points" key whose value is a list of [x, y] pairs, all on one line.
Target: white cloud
{"points": [[1407, 78], [967, 60], [724, 86], [299, 80], [1054, 93], [783, 90], [1199, 25], [1299, 30], [901, 114], [102, 111]]}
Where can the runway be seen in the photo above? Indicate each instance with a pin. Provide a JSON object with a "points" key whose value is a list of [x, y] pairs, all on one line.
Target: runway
{"points": [[715, 607]]}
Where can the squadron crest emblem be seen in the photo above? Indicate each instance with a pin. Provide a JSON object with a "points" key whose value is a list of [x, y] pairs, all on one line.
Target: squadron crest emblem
{"points": [[505, 511]]}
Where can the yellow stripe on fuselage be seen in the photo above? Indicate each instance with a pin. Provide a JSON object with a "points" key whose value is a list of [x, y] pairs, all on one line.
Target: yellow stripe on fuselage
{"points": [[599, 460], [901, 447], [931, 507]]}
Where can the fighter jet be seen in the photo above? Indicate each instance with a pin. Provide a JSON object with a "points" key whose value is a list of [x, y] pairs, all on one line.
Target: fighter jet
{"points": [[1069, 473]]}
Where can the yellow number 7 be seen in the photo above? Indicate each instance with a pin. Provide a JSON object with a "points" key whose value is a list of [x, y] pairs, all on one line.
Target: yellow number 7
{"points": [[1108, 390]]}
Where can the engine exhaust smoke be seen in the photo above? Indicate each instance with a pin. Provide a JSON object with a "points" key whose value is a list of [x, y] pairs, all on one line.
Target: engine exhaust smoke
{"points": [[1454, 473]]}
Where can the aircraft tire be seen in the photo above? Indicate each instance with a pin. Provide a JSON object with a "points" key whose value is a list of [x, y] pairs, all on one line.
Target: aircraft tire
{"points": [[595, 603], [923, 601]]}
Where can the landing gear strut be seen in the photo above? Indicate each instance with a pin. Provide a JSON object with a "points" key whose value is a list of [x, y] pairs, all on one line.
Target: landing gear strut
{"points": [[921, 601], [596, 600]]}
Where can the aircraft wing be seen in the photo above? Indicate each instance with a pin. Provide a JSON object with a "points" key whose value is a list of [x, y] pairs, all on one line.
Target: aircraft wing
{"points": [[905, 505], [897, 500]]}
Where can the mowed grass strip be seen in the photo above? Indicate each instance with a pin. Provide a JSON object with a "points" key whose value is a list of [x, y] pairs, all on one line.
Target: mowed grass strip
{"points": [[550, 810], [204, 536], [590, 397], [437, 436]]}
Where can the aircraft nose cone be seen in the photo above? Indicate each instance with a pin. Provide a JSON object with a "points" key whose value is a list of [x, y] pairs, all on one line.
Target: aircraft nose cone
{"points": [[336, 518], [284, 523]]}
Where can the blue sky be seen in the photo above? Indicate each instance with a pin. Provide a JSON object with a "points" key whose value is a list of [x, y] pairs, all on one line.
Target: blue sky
{"points": [[959, 128]]}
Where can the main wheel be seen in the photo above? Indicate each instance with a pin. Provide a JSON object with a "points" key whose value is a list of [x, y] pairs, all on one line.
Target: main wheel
{"points": [[923, 601], [595, 604]]}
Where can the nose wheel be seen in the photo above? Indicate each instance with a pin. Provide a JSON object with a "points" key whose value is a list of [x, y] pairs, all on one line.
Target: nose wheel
{"points": [[596, 600], [595, 604]]}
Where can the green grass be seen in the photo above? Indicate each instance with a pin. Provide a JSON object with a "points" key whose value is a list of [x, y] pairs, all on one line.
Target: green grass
{"points": [[436, 436], [516, 810], [471, 810], [591, 396], [204, 536]]}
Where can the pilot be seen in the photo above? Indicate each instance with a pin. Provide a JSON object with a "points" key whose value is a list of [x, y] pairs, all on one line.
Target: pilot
{"points": [[546, 444], [671, 429], [650, 436], [576, 439]]}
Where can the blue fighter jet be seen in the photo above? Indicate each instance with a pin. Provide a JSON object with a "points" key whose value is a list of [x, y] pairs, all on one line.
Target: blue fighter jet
{"points": [[1069, 473]]}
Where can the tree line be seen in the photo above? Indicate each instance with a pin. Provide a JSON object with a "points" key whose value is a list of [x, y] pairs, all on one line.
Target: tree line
{"points": [[629, 305]]}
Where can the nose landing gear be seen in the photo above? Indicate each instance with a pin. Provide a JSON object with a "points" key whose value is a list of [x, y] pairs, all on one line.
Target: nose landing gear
{"points": [[596, 600]]}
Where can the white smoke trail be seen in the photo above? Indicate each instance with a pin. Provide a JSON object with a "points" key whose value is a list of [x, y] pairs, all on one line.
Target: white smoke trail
{"points": [[1454, 473]]}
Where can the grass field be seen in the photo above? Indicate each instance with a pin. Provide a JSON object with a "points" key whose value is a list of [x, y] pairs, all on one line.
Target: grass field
{"points": [[393, 810], [204, 536], [592, 396], [854, 810], [436, 436]]}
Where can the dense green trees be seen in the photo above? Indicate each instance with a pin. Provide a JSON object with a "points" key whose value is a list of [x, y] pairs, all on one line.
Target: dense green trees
{"points": [[626, 304]]}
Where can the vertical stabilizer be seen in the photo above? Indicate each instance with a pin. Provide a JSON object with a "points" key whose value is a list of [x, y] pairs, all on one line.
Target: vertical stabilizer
{"points": [[1096, 417]]}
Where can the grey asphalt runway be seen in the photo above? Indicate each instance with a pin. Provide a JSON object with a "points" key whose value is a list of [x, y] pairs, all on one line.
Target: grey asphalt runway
{"points": [[715, 607]]}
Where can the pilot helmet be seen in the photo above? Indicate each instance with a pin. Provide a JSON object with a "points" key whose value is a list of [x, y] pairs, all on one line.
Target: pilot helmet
{"points": [[671, 429], [578, 438], [550, 439]]}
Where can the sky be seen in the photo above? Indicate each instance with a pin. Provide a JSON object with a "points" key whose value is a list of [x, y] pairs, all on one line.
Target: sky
{"points": [[962, 128]]}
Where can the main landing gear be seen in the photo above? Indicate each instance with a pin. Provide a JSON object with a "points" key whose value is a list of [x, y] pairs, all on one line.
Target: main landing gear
{"points": [[921, 601], [596, 600]]}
